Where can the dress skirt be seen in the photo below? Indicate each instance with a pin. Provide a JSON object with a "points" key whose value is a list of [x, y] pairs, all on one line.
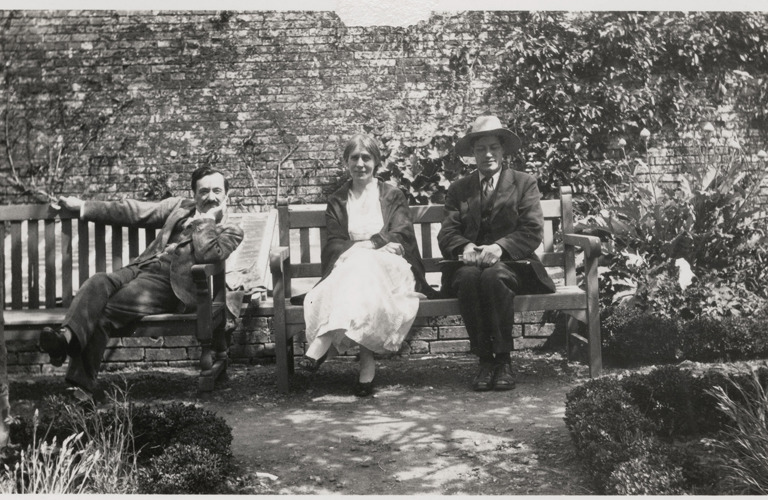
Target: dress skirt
{"points": [[367, 299]]}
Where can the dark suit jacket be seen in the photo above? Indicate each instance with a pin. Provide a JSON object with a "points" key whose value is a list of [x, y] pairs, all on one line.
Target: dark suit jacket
{"points": [[209, 242], [398, 227], [516, 223]]}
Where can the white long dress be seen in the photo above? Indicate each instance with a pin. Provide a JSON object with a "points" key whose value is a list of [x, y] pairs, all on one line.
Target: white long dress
{"points": [[368, 298]]}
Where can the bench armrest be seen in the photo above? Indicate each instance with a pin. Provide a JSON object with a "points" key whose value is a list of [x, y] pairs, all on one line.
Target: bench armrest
{"points": [[279, 266], [201, 271], [278, 256], [590, 244]]}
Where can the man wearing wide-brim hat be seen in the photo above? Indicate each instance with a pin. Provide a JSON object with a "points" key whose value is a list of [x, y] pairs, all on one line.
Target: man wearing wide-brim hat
{"points": [[493, 224]]}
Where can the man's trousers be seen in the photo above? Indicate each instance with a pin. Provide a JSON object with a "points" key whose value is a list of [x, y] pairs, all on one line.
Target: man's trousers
{"points": [[486, 297], [108, 302]]}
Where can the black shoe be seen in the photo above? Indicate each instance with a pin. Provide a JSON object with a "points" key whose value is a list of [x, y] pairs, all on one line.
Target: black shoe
{"points": [[503, 378], [55, 344], [363, 389], [311, 365], [483, 380]]}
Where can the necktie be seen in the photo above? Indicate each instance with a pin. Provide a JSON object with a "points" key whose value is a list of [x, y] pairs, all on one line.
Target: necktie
{"points": [[487, 191]]}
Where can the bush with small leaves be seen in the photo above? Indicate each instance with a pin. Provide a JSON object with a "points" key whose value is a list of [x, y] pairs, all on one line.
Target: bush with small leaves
{"points": [[183, 469], [157, 427]]}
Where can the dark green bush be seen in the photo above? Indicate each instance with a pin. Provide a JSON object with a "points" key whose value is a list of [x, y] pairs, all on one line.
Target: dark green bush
{"points": [[623, 430], [647, 472], [604, 423], [157, 427], [183, 469], [632, 337], [675, 400]]}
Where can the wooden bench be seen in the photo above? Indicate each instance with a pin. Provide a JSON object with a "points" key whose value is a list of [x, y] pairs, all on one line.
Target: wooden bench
{"points": [[37, 248], [558, 250]]}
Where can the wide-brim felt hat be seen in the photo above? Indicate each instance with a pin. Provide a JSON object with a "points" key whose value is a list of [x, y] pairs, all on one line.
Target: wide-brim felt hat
{"points": [[487, 125]]}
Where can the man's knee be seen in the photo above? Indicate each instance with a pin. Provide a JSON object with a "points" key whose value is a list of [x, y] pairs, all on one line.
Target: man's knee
{"points": [[465, 279], [497, 277]]}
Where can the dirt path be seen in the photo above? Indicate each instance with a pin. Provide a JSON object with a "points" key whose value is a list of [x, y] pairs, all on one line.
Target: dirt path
{"points": [[424, 431]]}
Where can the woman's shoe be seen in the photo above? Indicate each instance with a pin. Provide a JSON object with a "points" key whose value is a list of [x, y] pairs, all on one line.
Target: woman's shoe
{"points": [[311, 365], [363, 389]]}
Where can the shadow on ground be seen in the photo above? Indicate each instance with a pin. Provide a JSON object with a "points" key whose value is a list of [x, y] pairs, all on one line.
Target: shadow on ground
{"points": [[424, 432]]}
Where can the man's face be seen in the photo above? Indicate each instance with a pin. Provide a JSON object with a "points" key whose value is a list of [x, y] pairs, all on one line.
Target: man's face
{"points": [[210, 193], [488, 154]]}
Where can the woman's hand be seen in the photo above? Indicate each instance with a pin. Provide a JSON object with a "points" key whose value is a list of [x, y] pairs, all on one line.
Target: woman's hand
{"points": [[392, 247]]}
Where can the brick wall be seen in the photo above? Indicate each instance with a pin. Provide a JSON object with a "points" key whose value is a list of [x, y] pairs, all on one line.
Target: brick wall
{"points": [[158, 94]]}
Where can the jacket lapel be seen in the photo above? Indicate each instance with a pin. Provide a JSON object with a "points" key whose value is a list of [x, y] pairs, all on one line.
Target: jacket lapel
{"points": [[475, 208], [504, 191], [171, 222]]}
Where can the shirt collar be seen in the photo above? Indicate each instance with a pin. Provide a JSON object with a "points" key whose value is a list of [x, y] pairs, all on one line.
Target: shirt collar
{"points": [[494, 176]]}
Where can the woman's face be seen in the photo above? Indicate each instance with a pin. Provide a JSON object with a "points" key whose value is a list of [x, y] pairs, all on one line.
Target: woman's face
{"points": [[361, 165]]}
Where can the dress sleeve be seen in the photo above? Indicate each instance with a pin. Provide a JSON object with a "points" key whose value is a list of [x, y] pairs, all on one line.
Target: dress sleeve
{"points": [[338, 240]]}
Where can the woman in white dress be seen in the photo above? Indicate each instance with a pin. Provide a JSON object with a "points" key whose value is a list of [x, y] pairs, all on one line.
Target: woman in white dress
{"points": [[373, 276]]}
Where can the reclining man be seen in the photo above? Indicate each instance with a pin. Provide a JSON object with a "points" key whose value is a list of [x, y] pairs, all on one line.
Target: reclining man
{"points": [[493, 225], [192, 231]]}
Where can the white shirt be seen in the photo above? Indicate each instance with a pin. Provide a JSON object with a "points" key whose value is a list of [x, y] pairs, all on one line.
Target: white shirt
{"points": [[364, 213], [494, 176]]}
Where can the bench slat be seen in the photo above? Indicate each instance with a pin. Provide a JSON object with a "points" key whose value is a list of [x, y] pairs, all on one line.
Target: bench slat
{"points": [[306, 270], [50, 262], [3, 294], [133, 243], [66, 262], [83, 251], [33, 264], [306, 218], [16, 255], [304, 244], [117, 247], [426, 240], [150, 236], [100, 245], [38, 211]]}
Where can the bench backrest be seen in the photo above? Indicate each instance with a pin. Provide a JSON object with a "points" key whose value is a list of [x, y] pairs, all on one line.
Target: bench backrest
{"points": [[302, 229], [49, 253]]}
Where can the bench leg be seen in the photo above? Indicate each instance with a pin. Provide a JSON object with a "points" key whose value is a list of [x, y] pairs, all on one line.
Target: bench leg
{"points": [[595, 348], [283, 367], [571, 329], [212, 366]]}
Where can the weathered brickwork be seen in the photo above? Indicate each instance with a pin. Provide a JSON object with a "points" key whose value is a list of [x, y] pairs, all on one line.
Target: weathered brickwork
{"points": [[160, 93]]}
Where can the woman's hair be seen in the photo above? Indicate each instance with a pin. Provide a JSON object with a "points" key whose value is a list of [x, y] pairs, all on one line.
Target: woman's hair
{"points": [[365, 142]]}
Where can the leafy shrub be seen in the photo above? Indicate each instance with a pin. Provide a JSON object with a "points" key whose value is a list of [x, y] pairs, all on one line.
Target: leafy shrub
{"points": [[183, 469], [746, 444], [675, 400], [632, 337], [647, 472], [157, 427], [604, 423]]}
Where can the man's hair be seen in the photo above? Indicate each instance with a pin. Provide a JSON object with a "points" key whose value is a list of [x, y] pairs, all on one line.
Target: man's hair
{"points": [[205, 171], [365, 142]]}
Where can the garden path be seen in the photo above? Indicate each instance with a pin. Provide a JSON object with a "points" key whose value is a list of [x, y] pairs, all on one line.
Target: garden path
{"points": [[424, 432]]}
